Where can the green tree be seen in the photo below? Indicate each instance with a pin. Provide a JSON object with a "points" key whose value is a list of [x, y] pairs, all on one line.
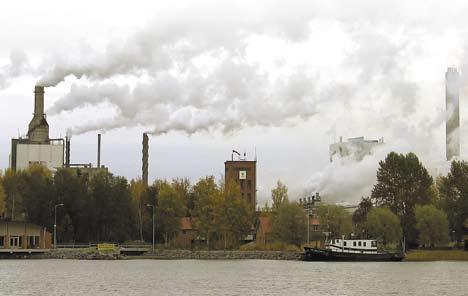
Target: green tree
{"points": [[290, 223], [360, 216], [432, 225], [384, 225], [2, 199], [335, 219], [137, 189], [205, 195], [279, 195], [232, 215], [453, 190], [14, 186], [170, 208], [402, 183]]}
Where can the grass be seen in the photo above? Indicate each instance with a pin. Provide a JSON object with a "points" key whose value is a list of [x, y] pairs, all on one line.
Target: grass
{"points": [[437, 255]]}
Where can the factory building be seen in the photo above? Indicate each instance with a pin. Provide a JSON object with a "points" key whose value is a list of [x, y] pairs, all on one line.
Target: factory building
{"points": [[357, 148], [37, 147], [452, 105], [244, 173]]}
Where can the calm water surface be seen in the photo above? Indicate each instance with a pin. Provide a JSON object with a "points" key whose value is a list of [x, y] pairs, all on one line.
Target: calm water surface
{"points": [[243, 277]]}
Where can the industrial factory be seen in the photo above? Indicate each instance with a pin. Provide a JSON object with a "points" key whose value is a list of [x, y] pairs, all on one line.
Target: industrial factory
{"points": [[357, 148], [38, 148]]}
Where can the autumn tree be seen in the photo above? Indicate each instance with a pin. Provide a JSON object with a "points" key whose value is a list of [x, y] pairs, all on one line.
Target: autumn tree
{"points": [[232, 215], [290, 223], [432, 226], [205, 194], [137, 189], [384, 225], [169, 209], [279, 195], [402, 183], [2, 199]]}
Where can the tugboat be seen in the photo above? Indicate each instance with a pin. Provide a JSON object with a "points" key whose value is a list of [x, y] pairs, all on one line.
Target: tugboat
{"points": [[350, 250]]}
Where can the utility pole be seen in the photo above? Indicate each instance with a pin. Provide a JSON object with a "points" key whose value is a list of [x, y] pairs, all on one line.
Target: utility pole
{"points": [[55, 224], [308, 203]]}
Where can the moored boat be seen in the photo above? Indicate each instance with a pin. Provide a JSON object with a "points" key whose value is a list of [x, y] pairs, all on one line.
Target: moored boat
{"points": [[350, 250]]}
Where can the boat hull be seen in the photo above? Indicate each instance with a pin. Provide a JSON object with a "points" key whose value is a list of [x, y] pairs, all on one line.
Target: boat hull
{"points": [[312, 254]]}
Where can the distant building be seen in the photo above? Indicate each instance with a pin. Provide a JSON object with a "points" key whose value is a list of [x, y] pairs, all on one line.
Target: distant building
{"points": [[243, 173], [37, 147], [264, 232], [16, 235], [452, 105], [357, 148]]}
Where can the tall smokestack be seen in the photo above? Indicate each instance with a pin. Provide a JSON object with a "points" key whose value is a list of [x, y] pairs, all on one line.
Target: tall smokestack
{"points": [[145, 159], [99, 150], [67, 151], [452, 123], [38, 127]]}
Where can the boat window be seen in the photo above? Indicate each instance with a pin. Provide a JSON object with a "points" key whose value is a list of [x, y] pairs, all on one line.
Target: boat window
{"points": [[359, 243], [354, 244], [364, 243], [344, 244], [333, 241], [373, 243]]}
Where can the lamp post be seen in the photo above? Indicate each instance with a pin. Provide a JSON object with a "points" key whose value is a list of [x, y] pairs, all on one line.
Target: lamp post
{"points": [[152, 208], [55, 224]]}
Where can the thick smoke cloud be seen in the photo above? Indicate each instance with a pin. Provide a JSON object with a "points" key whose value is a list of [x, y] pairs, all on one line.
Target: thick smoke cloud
{"points": [[198, 70]]}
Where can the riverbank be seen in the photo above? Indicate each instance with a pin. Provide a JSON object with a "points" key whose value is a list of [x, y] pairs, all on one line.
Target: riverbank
{"points": [[437, 255], [161, 254]]}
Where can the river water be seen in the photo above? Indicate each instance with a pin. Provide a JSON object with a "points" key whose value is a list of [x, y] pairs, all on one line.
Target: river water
{"points": [[237, 277]]}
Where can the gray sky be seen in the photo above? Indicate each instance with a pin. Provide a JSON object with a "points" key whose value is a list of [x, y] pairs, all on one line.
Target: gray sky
{"points": [[281, 78]]}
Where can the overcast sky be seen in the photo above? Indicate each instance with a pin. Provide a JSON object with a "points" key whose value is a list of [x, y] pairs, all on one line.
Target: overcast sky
{"points": [[282, 78]]}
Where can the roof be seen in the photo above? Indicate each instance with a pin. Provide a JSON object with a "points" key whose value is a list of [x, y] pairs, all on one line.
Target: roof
{"points": [[187, 223], [265, 225]]}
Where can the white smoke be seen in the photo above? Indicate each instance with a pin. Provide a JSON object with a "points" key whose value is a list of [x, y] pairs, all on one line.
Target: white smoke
{"points": [[198, 70], [17, 66]]}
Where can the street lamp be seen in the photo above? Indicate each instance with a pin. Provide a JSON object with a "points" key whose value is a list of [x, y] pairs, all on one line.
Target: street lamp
{"points": [[55, 224], [152, 207]]}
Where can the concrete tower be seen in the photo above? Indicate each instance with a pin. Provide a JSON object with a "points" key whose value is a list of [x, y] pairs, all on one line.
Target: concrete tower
{"points": [[38, 131], [452, 120]]}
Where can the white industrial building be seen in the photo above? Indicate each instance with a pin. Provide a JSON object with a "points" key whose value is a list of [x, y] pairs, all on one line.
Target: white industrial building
{"points": [[357, 148], [37, 147]]}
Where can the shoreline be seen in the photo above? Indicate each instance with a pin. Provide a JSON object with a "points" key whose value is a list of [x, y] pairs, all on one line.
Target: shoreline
{"points": [[166, 254]]}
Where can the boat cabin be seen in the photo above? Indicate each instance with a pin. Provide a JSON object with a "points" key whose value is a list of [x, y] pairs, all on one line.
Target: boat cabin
{"points": [[352, 245]]}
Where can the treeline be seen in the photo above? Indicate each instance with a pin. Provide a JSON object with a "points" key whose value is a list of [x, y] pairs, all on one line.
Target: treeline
{"points": [[405, 204], [105, 207]]}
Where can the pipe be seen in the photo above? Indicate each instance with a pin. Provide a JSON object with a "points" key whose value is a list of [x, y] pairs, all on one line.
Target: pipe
{"points": [[99, 151]]}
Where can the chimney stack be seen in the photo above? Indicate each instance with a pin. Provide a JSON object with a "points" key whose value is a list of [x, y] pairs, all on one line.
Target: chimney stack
{"points": [[67, 151], [38, 130], [145, 159], [99, 150]]}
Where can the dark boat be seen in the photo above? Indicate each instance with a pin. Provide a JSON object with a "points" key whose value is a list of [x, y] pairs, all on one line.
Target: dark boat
{"points": [[350, 250]]}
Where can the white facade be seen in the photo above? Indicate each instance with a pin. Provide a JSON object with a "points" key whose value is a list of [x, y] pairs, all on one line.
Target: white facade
{"points": [[49, 155], [353, 245]]}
